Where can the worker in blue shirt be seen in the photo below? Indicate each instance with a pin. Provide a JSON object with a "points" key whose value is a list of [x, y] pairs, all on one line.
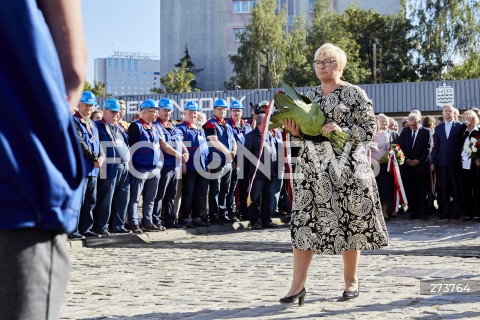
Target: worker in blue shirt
{"points": [[222, 152], [195, 170], [171, 170], [240, 129], [113, 186], [92, 158], [144, 141], [42, 72]]}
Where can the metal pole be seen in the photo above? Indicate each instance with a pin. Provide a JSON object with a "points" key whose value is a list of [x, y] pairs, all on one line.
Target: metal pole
{"points": [[258, 70], [380, 60], [374, 63]]}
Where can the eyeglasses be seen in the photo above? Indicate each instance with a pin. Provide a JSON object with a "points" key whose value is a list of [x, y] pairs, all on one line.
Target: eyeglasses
{"points": [[326, 63]]}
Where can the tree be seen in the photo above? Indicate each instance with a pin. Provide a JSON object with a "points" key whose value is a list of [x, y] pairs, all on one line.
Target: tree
{"points": [[388, 32], [98, 88], [299, 70], [244, 65], [264, 41], [468, 69], [327, 27], [190, 67], [177, 80], [156, 90], [444, 29]]}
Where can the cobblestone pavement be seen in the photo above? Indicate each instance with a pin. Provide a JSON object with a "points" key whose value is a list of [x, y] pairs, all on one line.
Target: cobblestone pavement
{"points": [[242, 274]]}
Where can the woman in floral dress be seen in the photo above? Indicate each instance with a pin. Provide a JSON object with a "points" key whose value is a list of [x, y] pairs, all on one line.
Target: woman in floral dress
{"points": [[336, 206]]}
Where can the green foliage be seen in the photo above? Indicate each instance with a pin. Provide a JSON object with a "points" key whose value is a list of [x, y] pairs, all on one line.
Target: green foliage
{"points": [[156, 90], [327, 27], [306, 113], [98, 88], [388, 32], [295, 106], [244, 65], [190, 67], [468, 69], [264, 40], [178, 80], [420, 46], [443, 30], [299, 70]]}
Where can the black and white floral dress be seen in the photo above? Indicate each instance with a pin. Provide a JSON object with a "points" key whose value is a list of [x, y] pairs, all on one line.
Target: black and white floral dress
{"points": [[336, 205]]}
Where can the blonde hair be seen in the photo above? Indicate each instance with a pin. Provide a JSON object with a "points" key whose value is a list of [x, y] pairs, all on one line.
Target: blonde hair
{"points": [[333, 51], [473, 114]]}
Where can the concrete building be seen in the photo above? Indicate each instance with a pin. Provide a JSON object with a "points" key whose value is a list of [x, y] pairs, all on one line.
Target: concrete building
{"points": [[128, 73], [209, 28]]}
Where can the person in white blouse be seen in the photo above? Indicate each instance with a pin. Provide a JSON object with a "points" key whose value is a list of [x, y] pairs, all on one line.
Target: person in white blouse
{"points": [[470, 181]]}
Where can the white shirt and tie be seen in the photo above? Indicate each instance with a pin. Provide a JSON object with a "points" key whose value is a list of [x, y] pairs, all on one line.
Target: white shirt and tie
{"points": [[414, 137], [448, 127]]}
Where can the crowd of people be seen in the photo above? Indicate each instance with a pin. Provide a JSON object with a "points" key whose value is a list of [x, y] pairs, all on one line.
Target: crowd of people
{"points": [[157, 162], [439, 164], [212, 164]]}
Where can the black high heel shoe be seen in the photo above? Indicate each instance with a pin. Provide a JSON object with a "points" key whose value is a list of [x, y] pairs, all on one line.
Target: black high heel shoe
{"points": [[291, 299], [351, 294]]}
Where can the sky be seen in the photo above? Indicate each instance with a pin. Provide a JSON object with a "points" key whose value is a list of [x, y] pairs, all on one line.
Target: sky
{"points": [[120, 25]]}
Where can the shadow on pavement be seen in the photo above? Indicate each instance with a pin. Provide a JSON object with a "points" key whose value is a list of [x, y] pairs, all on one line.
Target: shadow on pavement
{"points": [[270, 246], [350, 309]]}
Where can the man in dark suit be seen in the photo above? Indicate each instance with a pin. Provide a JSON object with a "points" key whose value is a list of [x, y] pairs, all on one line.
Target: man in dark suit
{"points": [[415, 142], [447, 163]]}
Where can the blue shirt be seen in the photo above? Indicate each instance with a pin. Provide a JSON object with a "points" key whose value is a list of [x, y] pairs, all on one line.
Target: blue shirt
{"points": [[115, 141], [196, 143], [174, 139], [41, 175], [239, 132], [146, 156], [224, 133]]}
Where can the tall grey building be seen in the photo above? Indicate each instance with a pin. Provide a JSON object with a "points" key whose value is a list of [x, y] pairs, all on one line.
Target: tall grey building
{"points": [[128, 73], [209, 28]]}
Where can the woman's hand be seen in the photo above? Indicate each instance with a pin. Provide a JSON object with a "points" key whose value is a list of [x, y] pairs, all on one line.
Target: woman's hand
{"points": [[292, 127], [329, 127]]}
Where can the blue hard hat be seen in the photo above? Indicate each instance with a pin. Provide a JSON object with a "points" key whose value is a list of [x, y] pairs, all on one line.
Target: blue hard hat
{"points": [[149, 103], [112, 104], [192, 106], [235, 104], [220, 103], [165, 103], [88, 98]]}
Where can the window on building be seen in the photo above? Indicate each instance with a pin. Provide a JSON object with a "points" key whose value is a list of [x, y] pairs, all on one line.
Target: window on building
{"points": [[243, 6], [311, 4], [237, 33]]}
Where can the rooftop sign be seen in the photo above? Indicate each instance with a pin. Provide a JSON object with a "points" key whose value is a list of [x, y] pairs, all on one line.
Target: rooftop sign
{"points": [[134, 55]]}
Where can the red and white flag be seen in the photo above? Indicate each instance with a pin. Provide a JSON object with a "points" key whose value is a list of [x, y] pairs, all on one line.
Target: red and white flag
{"points": [[399, 196]]}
